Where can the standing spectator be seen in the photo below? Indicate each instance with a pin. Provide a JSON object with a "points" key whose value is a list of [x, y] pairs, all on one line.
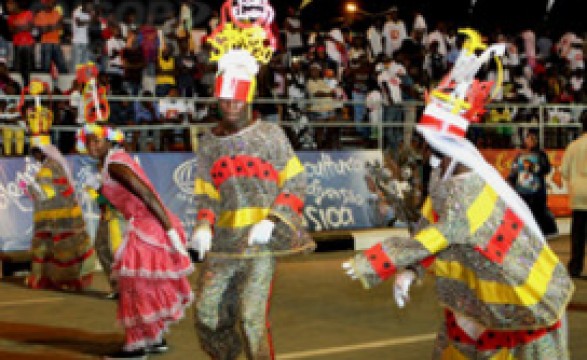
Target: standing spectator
{"points": [[293, 34], [440, 36], [322, 106], [186, 69], [80, 21], [114, 67], [49, 22], [434, 64], [528, 178], [20, 23], [336, 49], [359, 74], [149, 43], [133, 64], [207, 70], [128, 23], [574, 170], [394, 32], [375, 38], [166, 71], [389, 79]]}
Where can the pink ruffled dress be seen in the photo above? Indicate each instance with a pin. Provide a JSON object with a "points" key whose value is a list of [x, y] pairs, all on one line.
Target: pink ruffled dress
{"points": [[152, 276]]}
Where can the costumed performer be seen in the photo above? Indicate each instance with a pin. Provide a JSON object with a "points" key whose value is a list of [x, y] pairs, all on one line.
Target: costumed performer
{"points": [[503, 290], [151, 265], [250, 189], [62, 253]]}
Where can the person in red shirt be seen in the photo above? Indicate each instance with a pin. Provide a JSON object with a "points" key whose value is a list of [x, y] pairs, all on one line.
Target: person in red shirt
{"points": [[49, 22], [20, 23]]}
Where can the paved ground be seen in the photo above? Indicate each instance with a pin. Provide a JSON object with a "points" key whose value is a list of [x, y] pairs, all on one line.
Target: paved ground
{"points": [[317, 314]]}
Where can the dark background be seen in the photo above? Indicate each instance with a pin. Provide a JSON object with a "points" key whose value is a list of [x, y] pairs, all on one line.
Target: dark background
{"points": [[487, 15]]}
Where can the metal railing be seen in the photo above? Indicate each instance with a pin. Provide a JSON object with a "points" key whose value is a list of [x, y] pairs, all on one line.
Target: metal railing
{"points": [[562, 133]]}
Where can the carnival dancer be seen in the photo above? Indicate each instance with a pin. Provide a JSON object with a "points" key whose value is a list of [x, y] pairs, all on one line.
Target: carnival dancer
{"points": [[112, 225], [503, 290], [151, 265], [62, 253], [250, 190]]}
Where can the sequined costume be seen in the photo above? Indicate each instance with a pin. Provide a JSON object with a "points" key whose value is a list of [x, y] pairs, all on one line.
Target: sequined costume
{"points": [[63, 255], [490, 269], [152, 278], [241, 179]]}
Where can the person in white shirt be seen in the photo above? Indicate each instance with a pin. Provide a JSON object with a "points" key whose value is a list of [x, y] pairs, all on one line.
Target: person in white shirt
{"points": [[440, 36], [389, 80], [575, 55], [394, 32], [375, 39], [293, 34], [80, 21], [114, 47]]}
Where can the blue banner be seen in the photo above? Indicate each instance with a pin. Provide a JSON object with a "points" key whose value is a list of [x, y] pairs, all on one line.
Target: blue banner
{"points": [[337, 195]]}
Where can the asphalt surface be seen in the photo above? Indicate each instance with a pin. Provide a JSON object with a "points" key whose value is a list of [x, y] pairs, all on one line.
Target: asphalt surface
{"points": [[317, 313]]}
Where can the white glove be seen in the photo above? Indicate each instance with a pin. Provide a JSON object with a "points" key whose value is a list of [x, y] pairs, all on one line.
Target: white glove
{"points": [[176, 242], [349, 270], [201, 240], [260, 233], [403, 281]]}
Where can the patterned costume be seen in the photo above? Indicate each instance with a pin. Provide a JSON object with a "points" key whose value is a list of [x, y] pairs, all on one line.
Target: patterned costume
{"points": [[150, 267], [151, 276], [503, 289], [241, 179], [63, 255], [244, 180], [111, 228]]}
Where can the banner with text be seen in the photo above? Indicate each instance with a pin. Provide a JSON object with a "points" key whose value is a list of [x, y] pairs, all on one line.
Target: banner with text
{"points": [[337, 194]]}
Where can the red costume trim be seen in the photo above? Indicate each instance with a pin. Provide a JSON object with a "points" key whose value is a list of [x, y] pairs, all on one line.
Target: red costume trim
{"points": [[208, 215], [380, 262], [439, 125], [503, 238], [495, 339], [291, 201], [242, 166]]}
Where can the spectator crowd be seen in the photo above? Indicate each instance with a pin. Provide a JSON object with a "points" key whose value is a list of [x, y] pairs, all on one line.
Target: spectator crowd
{"points": [[362, 75]]}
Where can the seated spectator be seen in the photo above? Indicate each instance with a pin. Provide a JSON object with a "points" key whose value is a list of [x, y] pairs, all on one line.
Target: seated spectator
{"points": [[173, 110], [121, 111], [147, 113], [20, 23], [186, 69]]}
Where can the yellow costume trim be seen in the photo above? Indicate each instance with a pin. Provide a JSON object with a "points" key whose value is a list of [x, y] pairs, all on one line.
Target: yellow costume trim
{"points": [[504, 354], [45, 173], [474, 41], [114, 232], [202, 187], [251, 39], [427, 210], [451, 353], [242, 217], [57, 214], [431, 239], [293, 168], [492, 292], [48, 190], [482, 208]]}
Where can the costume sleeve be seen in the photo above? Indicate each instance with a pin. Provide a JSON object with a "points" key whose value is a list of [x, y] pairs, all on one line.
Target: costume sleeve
{"points": [[289, 203], [46, 189], [207, 196], [383, 260]]}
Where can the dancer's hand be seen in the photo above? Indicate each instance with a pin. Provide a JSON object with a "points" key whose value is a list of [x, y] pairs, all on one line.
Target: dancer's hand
{"points": [[260, 233], [403, 281], [349, 270], [176, 242], [201, 240]]}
